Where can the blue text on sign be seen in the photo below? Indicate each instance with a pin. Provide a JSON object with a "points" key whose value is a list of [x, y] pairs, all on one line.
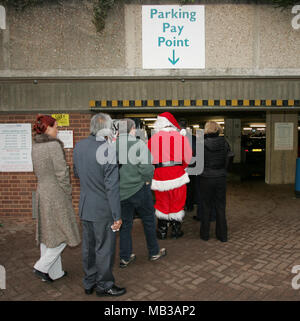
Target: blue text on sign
{"points": [[173, 14]]}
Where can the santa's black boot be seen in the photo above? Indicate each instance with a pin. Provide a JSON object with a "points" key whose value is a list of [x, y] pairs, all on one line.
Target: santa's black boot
{"points": [[162, 229], [176, 229]]}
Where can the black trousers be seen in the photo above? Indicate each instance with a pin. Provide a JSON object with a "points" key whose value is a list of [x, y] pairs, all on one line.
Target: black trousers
{"points": [[190, 192], [213, 193]]}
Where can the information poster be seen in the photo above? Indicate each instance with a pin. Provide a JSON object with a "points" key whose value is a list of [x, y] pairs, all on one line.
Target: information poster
{"points": [[66, 136], [283, 138], [15, 148]]}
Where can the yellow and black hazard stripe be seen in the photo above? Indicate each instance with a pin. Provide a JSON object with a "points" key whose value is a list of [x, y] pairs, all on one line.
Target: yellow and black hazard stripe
{"points": [[196, 103]]}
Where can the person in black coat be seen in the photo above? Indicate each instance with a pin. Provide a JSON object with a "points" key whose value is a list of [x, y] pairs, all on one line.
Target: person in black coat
{"points": [[212, 182], [192, 196]]}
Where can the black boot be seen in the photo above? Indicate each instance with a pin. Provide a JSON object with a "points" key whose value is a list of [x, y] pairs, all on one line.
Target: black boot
{"points": [[176, 229], [162, 229]]}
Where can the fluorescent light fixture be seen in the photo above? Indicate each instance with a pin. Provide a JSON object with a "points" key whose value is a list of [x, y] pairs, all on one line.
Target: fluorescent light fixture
{"points": [[263, 128], [247, 128], [220, 122], [149, 119], [196, 126], [257, 125]]}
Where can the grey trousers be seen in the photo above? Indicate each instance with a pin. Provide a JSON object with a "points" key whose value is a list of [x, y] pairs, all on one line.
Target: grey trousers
{"points": [[98, 253]]}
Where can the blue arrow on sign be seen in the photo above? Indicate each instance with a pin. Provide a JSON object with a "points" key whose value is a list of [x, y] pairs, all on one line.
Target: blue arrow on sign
{"points": [[173, 61]]}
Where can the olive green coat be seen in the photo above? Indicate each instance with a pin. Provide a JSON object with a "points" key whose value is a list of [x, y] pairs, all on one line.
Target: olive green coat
{"points": [[56, 220]]}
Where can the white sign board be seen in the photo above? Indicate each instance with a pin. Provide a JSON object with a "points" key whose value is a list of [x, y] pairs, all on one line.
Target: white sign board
{"points": [[15, 148], [2, 18], [173, 37], [284, 136], [66, 136]]}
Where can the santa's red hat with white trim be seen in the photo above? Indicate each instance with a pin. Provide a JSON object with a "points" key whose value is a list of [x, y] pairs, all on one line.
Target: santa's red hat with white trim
{"points": [[166, 119]]}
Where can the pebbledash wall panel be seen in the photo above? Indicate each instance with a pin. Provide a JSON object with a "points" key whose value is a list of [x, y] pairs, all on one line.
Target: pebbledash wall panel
{"points": [[16, 187]]}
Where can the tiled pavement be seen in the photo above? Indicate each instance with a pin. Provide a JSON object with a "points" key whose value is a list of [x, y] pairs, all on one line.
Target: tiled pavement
{"points": [[255, 264]]}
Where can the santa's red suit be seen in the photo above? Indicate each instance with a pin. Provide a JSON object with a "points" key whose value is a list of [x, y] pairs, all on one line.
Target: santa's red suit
{"points": [[171, 154]]}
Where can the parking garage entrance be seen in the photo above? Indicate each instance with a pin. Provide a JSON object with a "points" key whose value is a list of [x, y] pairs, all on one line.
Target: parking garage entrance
{"points": [[246, 133], [249, 133]]}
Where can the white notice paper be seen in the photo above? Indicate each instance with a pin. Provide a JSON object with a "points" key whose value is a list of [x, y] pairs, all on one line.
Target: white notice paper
{"points": [[66, 136], [15, 148], [284, 136], [173, 36]]}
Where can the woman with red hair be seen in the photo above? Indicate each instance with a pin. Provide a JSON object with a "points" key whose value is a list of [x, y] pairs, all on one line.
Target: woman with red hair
{"points": [[56, 221]]}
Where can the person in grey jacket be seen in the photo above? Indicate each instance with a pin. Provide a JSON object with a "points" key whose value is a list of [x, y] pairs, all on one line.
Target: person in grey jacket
{"points": [[99, 206], [136, 172], [56, 220]]}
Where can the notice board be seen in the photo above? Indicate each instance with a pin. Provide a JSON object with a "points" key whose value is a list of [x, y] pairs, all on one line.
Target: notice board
{"points": [[15, 148]]}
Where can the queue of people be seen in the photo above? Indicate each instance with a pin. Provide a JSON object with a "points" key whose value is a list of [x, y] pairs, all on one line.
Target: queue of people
{"points": [[117, 175]]}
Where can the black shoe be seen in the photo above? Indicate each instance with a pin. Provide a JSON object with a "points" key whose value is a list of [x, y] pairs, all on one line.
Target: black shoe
{"points": [[176, 229], [44, 276], [162, 229], [161, 235], [204, 238], [90, 291], [177, 235], [222, 239], [196, 218], [113, 291]]}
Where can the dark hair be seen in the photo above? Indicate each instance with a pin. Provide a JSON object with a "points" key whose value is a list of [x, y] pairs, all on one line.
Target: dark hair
{"points": [[42, 122]]}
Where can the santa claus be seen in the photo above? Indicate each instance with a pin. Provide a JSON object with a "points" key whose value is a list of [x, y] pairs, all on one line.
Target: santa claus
{"points": [[171, 154]]}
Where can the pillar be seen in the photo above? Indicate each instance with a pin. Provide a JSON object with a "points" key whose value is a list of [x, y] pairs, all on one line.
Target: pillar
{"points": [[232, 134]]}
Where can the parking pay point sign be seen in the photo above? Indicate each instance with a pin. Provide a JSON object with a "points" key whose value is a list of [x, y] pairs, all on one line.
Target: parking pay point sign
{"points": [[173, 37]]}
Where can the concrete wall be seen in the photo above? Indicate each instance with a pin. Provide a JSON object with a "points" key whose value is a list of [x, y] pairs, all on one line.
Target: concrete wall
{"points": [[55, 38], [70, 94], [60, 40]]}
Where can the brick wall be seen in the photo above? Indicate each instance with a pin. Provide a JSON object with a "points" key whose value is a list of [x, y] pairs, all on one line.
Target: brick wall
{"points": [[16, 187]]}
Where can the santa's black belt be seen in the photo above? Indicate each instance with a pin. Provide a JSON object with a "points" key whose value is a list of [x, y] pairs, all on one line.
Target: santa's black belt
{"points": [[168, 164]]}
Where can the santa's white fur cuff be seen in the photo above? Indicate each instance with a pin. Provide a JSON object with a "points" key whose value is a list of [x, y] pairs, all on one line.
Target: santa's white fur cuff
{"points": [[171, 216], [169, 184]]}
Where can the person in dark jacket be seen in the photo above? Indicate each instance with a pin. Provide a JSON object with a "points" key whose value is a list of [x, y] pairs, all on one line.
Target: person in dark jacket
{"points": [[212, 182], [99, 206], [136, 172], [192, 196]]}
